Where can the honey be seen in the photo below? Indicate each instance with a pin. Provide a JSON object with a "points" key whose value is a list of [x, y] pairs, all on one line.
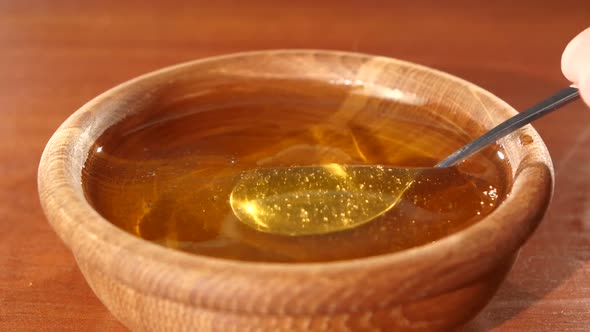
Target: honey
{"points": [[167, 172]]}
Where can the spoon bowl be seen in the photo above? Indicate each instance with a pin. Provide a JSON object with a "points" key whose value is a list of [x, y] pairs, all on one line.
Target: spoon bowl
{"points": [[317, 199]]}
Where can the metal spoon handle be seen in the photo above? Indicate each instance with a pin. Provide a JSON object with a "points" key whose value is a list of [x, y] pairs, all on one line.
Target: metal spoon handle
{"points": [[546, 106]]}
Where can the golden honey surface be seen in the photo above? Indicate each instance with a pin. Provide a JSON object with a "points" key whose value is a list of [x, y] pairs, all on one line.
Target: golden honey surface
{"points": [[170, 173]]}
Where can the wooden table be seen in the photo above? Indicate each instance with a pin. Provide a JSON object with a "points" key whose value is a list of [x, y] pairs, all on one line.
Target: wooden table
{"points": [[56, 55]]}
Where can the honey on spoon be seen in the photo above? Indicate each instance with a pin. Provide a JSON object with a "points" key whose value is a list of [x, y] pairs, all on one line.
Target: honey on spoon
{"points": [[308, 200]]}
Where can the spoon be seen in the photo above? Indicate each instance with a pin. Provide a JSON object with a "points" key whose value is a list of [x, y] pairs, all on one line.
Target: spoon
{"points": [[308, 200]]}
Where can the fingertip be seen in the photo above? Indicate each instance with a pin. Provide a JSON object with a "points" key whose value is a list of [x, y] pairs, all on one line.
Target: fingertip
{"points": [[576, 57], [584, 87]]}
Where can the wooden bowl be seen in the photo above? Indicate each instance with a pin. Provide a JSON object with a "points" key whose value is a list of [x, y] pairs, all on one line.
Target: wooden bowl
{"points": [[434, 287]]}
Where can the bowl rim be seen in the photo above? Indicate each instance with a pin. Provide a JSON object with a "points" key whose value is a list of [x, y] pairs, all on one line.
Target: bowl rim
{"points": [[74, 219]]}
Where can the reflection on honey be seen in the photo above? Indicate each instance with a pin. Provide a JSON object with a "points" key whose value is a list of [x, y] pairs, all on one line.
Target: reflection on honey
{"points": [[166, 174]]}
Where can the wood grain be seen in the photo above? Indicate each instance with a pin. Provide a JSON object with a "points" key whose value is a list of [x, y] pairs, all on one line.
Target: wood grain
{"points": [[57, 55]]}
